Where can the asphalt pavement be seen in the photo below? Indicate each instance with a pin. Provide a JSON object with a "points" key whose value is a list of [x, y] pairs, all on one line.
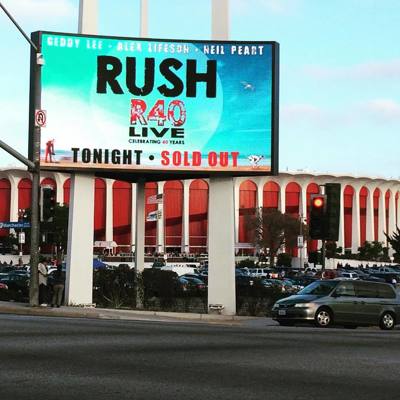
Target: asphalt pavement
{"points": [[70, 358]]}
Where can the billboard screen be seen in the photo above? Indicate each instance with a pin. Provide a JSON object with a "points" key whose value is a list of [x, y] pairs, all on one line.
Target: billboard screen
{"points": [[149, 105]]}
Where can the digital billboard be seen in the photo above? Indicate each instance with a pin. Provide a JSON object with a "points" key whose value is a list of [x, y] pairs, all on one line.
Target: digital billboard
{"points": [[150, 105]]}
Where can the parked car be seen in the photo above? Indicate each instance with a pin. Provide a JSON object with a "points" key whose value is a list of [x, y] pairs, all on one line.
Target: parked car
{"points": [[18, 286], [348, 303], [348, 276], [260, 272], [191, 285]]}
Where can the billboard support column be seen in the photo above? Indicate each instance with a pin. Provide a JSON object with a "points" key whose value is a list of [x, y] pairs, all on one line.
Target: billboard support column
{"points": [[221, 258], [79, 280]]}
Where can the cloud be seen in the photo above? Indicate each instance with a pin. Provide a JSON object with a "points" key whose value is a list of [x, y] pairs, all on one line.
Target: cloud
{"points": [[372, 70], [306, 114], [41, 9], [383, 110], [357, 115], [241, 7]]}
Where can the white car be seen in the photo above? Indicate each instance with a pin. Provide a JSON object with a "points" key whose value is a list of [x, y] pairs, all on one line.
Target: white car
{"points": [[351, 276]]}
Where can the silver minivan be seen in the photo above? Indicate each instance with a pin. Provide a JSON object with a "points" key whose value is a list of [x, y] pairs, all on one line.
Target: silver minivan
{"points": [[338, 302]]}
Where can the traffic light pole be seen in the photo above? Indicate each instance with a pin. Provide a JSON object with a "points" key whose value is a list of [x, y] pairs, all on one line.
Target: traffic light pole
{"points": [[323, 253], [34, 133]]}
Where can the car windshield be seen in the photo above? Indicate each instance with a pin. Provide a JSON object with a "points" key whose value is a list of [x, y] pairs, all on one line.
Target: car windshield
{"points": [[320, 288]]}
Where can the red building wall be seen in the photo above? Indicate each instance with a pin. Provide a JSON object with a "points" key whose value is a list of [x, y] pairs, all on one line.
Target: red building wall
{"points": [[377, 194], [292, 207], [150, 238], [198, 213], [5, 201], [363, 214], [173, 208], [24, 193], [312, 188], [66, 191], [348, 214], [100, 209], [122, 212], [247, 205], [271, 195]]}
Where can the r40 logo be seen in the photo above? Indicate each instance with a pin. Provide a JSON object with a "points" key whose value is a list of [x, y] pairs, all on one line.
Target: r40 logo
{"points": [[175, 113]]}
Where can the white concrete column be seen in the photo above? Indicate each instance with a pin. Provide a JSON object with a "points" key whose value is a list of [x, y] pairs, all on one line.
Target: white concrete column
{"points": [[185, 216], [282, 198], [14, 199], [109, 210], [221, 264], [260, 194], [88, 13], [140, 226], [303, 201], [144, 19], [370, 233], [160, 222], [79, 280], [355, 225], [382, 217], [236, 201], [220, 19], [341, 218], [133, 216], [59, 188]]}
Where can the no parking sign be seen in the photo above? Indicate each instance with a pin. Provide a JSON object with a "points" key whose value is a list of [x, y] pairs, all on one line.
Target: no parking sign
{"points": [[40, 118]]}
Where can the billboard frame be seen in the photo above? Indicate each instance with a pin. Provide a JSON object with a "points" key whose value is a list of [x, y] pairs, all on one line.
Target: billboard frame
{"points": [[159, 174]]}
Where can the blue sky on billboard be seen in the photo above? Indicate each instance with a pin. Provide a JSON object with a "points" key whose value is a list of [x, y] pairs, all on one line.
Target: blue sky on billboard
{"points": [[339, 78]]}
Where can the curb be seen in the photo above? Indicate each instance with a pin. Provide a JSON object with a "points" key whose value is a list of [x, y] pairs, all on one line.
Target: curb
{"points": [[117, 314]]}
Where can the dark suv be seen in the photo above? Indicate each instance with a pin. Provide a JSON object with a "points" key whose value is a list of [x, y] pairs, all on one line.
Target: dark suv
{"points": [[347, 303]]}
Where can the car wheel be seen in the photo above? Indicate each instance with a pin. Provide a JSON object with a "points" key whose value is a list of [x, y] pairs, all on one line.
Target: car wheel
{"points": [[387, 321], [323, 318]]}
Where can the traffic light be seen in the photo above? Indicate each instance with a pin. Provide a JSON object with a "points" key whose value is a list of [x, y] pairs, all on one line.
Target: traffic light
{"points": [[332, 191], [318, 216], [48, 204]]}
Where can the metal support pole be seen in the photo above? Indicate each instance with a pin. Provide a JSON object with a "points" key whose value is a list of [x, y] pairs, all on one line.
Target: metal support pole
{"points": [[323, 253], [34, 132]]}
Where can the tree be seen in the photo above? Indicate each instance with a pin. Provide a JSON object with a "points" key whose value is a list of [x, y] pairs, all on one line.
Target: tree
{"points": [[8, 243], [332, 250], [372, 251], [394, 241], [270, 230]]}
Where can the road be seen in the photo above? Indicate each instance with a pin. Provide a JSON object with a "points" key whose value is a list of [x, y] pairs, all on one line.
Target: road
{"points": [[61, 358]]}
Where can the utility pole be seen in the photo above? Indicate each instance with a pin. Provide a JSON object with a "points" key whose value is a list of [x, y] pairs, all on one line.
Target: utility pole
{"points": [[33, 163]]}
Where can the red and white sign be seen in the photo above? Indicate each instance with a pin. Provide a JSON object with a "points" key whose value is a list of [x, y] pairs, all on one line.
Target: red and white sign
{"points": [[40, 118]]}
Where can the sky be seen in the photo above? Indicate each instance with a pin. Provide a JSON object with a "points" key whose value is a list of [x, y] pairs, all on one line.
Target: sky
{"points": [[339, 70]]}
